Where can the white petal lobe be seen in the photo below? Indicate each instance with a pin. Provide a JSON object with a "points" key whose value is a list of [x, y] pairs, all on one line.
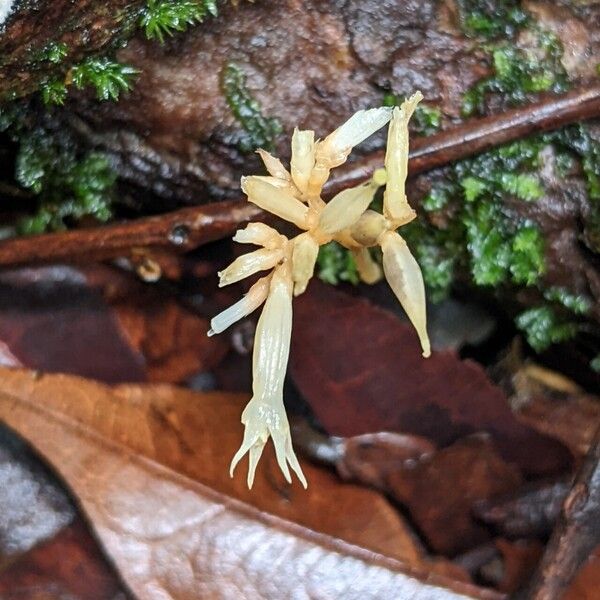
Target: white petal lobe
{"points": [[273, 165], [256, 295], [279, 201], [248, 264], [368, 270], [344, 209], [259, 234], [338, 144], [303, 157]]}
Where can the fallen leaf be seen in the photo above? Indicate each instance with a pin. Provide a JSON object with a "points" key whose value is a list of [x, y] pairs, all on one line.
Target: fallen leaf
{"points": [[361, 371], [101, 323], [572, 419], [515, 565], [32, 506], [148, 465], [531, 511], [68, 566], [440, 490], [372, 458], [51, 320]]}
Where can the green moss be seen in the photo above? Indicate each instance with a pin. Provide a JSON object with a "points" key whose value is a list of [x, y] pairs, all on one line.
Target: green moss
{"points": [[259, 131], [543, 326], [527, 259], [335, 264], [55, 52], [580, 305], [68, 186], [595, 363], [162, 18], [518, 73], [54, 92], [108, 77], [491, 19]]}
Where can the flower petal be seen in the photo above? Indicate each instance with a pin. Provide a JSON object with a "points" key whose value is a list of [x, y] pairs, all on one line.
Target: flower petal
{"points": [[279, 201], [344, 209], [404, 276], [273, 165], [334, 149], [304, 258], [248, 264], [256, 295], [260, 234], [303, 157], [368, 270], [395, 204]]}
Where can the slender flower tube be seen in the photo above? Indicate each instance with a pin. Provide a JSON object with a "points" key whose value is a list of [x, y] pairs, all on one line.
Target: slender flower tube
{"points": [[256, 295], [264, 416], [304, 258], [279, 201], [404, 276], [248, 264], [395, 204], [334, 149]]}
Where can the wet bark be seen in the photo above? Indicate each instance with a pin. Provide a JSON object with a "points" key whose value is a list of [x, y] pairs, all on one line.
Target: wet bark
{"points": [[86, 27]]}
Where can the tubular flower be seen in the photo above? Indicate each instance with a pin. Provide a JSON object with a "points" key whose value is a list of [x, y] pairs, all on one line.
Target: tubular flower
{"points": [[295, 196]]}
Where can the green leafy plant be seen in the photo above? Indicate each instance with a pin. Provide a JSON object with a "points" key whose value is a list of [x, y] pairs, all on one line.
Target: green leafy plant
{"points": [[69, 186], [163, 18], [54, 92], [55, 52], [108, 77]]}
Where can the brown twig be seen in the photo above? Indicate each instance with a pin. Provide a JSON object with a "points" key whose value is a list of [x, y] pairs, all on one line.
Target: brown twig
{"points": [[477, 135], [180, 230], [576, 534], [188, 228]]}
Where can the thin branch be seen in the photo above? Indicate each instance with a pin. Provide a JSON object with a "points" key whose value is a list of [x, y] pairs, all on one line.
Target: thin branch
{"points": [[576, 534], [478, 135], [179, 230], [188, 228]]}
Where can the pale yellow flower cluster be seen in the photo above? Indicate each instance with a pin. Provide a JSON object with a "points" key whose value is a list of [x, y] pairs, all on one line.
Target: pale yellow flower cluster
{"points": [[295, 196]]}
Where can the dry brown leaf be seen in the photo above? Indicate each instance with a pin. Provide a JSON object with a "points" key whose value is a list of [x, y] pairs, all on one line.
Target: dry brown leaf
{"points": [[441, 489], [69, 566], [360, 369], [148, 466]]}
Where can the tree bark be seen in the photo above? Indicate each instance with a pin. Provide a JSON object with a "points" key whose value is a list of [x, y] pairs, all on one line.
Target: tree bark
{"points": [[86, 27]]}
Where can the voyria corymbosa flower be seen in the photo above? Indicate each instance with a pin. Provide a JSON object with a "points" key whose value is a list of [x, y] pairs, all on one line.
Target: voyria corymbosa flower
{"points": [[295, 196]]}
